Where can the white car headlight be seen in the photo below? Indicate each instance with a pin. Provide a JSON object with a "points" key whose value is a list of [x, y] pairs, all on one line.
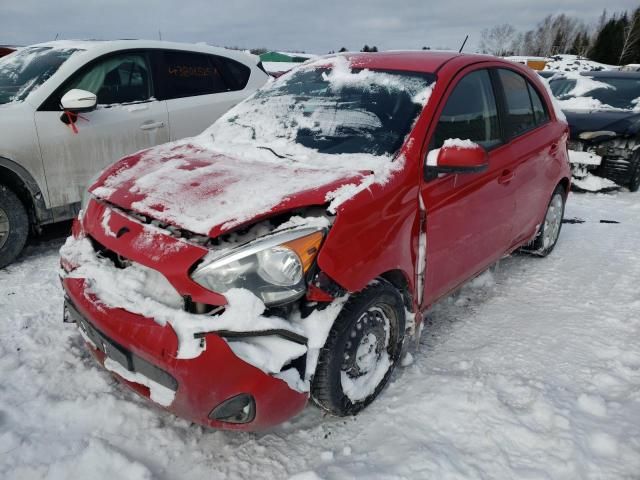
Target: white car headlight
{"points": [[272, 267]]}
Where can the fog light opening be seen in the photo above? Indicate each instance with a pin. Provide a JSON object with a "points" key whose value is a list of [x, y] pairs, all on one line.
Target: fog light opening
{"points": [[238, 409]]}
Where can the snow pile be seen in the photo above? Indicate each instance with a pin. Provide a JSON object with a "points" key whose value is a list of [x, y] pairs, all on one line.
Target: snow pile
{"points": [[574, 63], [584, 158], [594, 183]]}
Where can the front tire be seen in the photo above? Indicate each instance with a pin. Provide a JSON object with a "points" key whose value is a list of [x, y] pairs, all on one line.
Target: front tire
{"points": [[14, 226], [549, 231], [361, 351]]}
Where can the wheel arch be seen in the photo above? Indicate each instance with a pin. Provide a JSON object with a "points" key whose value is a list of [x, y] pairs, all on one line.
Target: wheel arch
{"points": [[399, 280], [565, 184], [20, 181]]}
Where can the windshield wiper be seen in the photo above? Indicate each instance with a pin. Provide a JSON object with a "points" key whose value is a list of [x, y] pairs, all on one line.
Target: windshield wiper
{"points": [[274, 152]]}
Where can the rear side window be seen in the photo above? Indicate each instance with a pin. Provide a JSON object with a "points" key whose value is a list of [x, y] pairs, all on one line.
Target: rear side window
{"points": [[237, 73], [187, 74], [520, 112], [539, 111], [470, 113]]}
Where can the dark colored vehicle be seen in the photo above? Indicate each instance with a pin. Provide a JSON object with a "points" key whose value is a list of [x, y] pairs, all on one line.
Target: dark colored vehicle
{"points": [[607, 123], [232, 276], [6, 51]]}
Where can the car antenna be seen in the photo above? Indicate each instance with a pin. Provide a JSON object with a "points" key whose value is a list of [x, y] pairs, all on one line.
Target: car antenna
{"points": [[463, 43]]}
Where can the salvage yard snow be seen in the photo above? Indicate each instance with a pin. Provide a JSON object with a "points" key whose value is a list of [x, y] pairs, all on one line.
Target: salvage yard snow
{"points": [[533, 371]]}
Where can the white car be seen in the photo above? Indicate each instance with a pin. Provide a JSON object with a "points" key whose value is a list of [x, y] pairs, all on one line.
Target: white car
{"points": [[70, 108]]}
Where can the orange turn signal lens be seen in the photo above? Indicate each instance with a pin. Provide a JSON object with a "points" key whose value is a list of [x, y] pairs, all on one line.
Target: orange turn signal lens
{"points": [[307, 248]]}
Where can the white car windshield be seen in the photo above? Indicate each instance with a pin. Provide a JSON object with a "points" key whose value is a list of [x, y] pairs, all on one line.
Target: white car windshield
{"points": [[25, 70]]}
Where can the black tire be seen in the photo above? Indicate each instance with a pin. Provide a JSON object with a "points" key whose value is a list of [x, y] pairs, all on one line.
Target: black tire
{"points": [[14, 226], [634, 170], [361, 317], [543, 245]]}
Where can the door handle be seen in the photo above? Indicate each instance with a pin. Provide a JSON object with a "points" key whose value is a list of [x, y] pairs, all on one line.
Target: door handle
{"points": [[506, 177], [151, 125], [554, 147]]}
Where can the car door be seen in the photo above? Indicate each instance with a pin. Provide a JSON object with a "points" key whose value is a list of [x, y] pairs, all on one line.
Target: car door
{"points": [[468, 216], [199, 88], [532, 145], [127, 118]]}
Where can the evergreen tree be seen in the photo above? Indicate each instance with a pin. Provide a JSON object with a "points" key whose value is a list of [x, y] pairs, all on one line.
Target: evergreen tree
{"points": [[343, 49], [374, 49], [365, 48], [609, 41]]}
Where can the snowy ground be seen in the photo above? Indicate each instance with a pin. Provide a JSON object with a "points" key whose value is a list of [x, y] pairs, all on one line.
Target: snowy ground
{"points": [[532, 371]]}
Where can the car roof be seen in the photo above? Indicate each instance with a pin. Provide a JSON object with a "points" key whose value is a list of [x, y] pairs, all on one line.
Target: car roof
{"points": [[104, 46], [426, 61]]}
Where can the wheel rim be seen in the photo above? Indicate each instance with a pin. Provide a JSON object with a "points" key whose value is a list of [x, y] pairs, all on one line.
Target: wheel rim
{"points": [[552, 221], [5, 227], [366, 358]]}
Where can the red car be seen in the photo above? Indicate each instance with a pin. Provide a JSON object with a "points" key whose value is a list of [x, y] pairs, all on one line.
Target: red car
{"points": [[286, 252]]}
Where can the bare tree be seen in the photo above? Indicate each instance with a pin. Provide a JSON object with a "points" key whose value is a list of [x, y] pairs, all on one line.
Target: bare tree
{"points": [[631, 37], [498, 40]]}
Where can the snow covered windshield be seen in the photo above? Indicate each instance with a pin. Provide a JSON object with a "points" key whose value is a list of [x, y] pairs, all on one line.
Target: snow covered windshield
{"points": [[331, 111], [582, 92], [25, 70]]}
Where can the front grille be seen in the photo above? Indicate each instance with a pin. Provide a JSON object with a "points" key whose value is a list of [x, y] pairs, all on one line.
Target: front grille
{"points": [[118, 260]]}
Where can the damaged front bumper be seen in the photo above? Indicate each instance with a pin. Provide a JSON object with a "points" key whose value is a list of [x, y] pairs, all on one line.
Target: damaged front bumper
{"points": [[612, 159], [192, 364], [198, 389]]}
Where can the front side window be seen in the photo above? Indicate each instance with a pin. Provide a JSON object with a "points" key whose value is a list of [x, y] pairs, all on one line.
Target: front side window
{"points": [[520, 115], [189, 74], [470, 113], [117, 79], [26, 69]]}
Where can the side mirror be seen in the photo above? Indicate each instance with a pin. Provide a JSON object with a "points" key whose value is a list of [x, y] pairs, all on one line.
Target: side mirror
{"points": [[77, 101], [456, 156]]}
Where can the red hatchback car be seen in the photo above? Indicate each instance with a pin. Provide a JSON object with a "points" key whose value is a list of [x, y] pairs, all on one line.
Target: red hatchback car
{"points": [[286, 252]]}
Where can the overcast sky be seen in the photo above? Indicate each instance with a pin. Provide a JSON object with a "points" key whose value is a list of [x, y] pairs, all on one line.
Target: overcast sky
{"points": [[317, 26]]}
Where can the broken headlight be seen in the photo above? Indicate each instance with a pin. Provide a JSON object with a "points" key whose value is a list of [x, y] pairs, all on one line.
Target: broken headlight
{"points": [[272, 267]]}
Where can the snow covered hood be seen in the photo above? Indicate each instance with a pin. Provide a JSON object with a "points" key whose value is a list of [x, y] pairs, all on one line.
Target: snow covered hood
{"points": [[210, 193]]}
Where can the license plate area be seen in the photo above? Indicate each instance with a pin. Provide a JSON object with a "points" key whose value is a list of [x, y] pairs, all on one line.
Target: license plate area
{"points": [[117, 352]]}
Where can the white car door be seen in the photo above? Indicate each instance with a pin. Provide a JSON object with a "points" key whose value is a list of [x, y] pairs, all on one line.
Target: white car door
{"points": [[199, 88], [128, 118]]}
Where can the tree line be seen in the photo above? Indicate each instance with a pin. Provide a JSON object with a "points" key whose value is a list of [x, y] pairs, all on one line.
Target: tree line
{"points": [[613, 39]]}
